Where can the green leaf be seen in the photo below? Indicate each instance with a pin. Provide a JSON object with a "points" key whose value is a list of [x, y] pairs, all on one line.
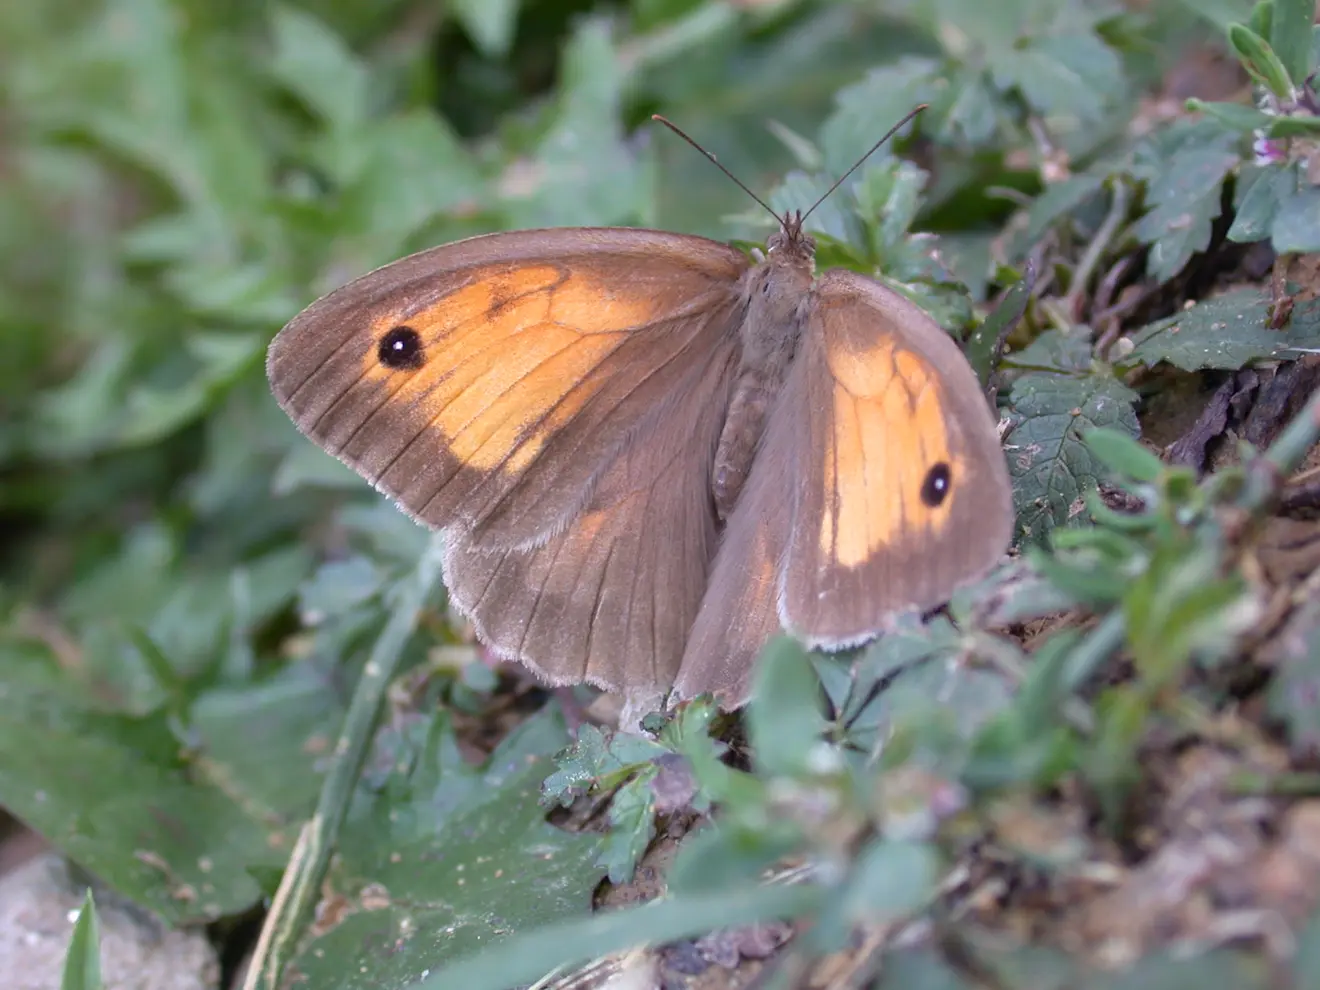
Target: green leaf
{"points": [[784, 721], [1261, 193], [111, 793], [1260, 61], [312, 62], [1229, 332], [1058, 199], [1050, 464], [1169, 971], [1306, 965], [891, 879], [1237, 116], [82, 963], [337, 586], [725, 856], [1219, 13], [1262, 18], [1295, 125], [441, 859], [524, 958], [1297, 225], [1184, 203], [1076, 75], [584, 142], [919, 969], [267, 739], [866, 109], [980, 349], [1123, 455], [490, 23], [1290, 37], [632, 827]]}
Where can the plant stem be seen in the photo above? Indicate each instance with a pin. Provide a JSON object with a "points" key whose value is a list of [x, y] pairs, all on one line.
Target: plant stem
{"points": [[307, 867], [1100, 243]]}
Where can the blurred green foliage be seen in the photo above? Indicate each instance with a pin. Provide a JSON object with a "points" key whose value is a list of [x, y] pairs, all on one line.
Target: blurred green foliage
{"points": [[188, 589]]}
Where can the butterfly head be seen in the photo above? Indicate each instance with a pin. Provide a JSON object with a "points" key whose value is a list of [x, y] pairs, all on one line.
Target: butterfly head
{"points": [[790, 246]]}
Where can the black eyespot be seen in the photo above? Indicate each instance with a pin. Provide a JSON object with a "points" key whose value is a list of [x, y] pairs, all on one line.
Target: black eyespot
{"points": [[401, 348], [935, 489]]}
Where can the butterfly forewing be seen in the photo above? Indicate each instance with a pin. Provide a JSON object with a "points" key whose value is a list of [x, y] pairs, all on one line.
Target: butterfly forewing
{"points": [[488, 382]]}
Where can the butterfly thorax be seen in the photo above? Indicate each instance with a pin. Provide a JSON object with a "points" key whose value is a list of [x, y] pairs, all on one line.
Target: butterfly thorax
{"points": [[775, 293]]}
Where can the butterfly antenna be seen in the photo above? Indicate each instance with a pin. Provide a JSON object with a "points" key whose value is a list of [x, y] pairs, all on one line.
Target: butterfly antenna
{"points": [[716, 162], [888, 134]]}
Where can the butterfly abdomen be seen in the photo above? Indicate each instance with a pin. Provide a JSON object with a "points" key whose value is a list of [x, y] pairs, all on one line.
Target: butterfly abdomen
{"points": [[769, 334]]}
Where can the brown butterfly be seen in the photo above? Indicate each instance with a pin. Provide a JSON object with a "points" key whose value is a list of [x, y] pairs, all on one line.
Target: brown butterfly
{"points": [[650, 454]]}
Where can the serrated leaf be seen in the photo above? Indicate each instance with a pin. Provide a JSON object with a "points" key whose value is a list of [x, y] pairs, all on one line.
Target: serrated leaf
{"points": [[972, 111], [1069, 350], [866, 109], [594, 756], [911, 643], [632, 826], [441, 859], [1228, 332], [1050, 464], [1184, 203], [1074, 75]]}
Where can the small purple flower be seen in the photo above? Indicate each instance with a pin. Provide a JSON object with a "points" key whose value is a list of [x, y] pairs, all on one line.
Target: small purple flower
{"points": [[1268, 151]]}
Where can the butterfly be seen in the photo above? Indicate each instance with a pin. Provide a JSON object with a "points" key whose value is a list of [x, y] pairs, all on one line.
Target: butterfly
{"points": [[650, 453]]}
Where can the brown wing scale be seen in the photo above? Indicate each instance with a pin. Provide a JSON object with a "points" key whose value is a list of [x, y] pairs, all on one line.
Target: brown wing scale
{"points": [[527, 360], [905, 492]]}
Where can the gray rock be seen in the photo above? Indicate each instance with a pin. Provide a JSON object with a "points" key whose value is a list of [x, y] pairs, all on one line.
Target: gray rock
{"points": [[38, 904]]}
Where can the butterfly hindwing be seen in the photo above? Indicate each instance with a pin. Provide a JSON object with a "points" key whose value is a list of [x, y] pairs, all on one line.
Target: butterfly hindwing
{"points": [[609, 599], [903, 492]]}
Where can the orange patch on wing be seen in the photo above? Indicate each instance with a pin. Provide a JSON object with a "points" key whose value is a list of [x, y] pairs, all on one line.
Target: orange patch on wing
{"points": [[888, 432], [505, 358]]}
